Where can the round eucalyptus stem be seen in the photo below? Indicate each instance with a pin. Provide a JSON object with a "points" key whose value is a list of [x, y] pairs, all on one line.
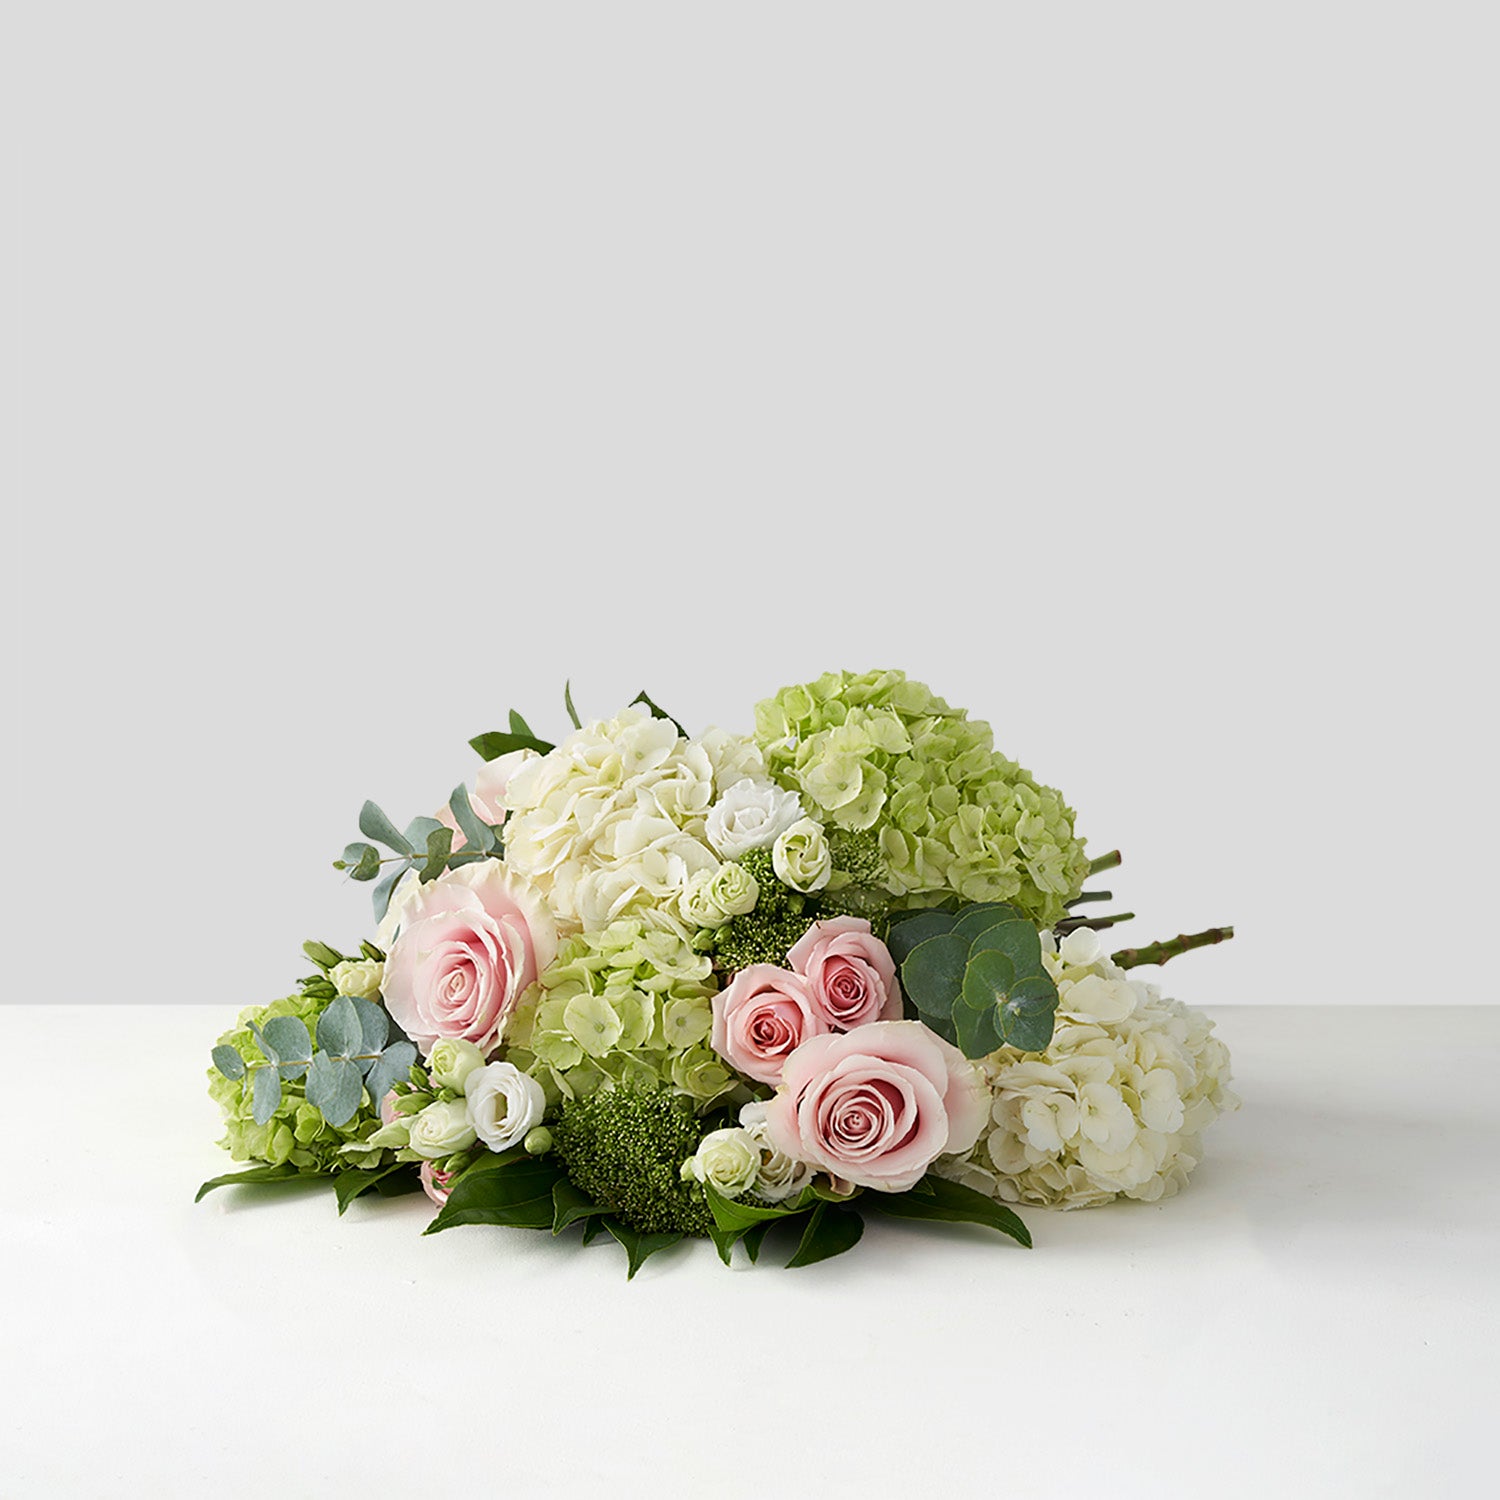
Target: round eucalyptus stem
{"points": [[1105, 861], [1159, 953]]}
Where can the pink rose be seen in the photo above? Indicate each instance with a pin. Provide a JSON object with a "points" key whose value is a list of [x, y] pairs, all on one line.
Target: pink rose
{"points": [[876, 1105], [763, 1016], [435, 1183], [471, 942], [850, 972], [488, 797]]}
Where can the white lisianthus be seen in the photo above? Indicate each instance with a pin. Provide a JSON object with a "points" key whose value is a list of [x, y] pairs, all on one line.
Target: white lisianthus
{"points": [[751, 815], [727, 1160], [1116, 1105], [452, 1060], [504, 1104], [778, 1177], [801, 857], [711, 897], [440, 1130], [358, 977]]}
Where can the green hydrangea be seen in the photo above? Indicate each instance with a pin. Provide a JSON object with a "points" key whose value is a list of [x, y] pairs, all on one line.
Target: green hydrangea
{"points": [[297, 1132], [625, 1148], [878, 751], [628, 1005]]}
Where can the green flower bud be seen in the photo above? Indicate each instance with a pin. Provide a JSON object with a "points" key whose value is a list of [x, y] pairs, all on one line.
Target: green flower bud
{"points": [[451, 1061], [538, 1141]]}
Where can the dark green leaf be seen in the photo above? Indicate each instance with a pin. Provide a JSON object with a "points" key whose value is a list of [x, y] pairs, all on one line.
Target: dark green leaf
{"points": [[936, 1198], [908, 931], [475, 831], [400, 1183], [512, 1188], [267, 1095], [439, 847], [933, 974], [592, 1229], [752, 1240], [569, 1205], [348, 1185], [976, 1028], [493, 745], [285, 1039], [639, 1248], [229, 1062], [518, 725], [257, 1176], [735, 1216], [339, 1028], [374, 824], [568, 704], [657, 711], [830, 1231], [334, 1087]]}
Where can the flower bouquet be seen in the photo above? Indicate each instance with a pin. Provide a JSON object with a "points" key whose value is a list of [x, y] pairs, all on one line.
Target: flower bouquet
{"points": [[643, 985]]}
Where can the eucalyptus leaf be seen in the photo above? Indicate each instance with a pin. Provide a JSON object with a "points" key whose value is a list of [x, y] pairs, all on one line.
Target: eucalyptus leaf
{"points": [[973, 919], [1017, 939], [229, 1062], [439, 847], [1028, 1017], [285, 1039], [933, 974], [339, 1028], [374, 1024], [908, 931], [380, 897], [419, 830], [387, 1069], [335, 1087], [368, 866], [476, 832], [266, 1095], [374, 824]]}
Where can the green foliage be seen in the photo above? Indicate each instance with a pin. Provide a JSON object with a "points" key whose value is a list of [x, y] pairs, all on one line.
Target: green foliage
{"points": [[657, 711], [388, 1181], [511, 1189], [936, 1198], [623, 1149], [976, 976], [259, 1177], [496, 743], [827, 1224]]}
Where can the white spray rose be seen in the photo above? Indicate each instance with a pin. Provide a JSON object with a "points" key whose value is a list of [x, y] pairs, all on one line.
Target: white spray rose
{"points": [[452, 1060], [440, 1130], [359, 977], [751, 815], [504, 1104], [711, 897], [801, 858], [778, 1177], [726, 1160]]}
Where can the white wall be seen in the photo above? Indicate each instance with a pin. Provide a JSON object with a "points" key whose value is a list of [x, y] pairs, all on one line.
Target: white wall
{"points": [[1126, 372]]}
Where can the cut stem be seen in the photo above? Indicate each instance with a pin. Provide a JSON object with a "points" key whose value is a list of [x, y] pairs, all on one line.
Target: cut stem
{"points": [[1098, 924], [1184, 942], [1105, 862], [1088, 896]]}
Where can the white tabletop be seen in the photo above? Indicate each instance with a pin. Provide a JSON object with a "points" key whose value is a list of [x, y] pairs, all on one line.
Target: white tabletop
{"points": [[1316, 1315]]}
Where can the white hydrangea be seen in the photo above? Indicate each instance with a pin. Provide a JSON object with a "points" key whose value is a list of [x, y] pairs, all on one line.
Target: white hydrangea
{"points": [[1116, 1105], [612, 822]]}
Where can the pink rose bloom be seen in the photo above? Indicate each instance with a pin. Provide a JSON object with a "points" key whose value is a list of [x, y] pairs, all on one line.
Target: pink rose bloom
{"points": [[488, 797], [471, 942], [436, 1184], [876, 1105], [763, 1016], [850, 972]]}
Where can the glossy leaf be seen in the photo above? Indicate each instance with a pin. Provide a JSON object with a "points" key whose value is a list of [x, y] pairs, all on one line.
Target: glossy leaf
{"points": [[495, 744], [830, 1231], [657, 711], [935, 1198], [347, 1186], [512, 1189], [569, 1205], [257, 1177], [639, 1247]]}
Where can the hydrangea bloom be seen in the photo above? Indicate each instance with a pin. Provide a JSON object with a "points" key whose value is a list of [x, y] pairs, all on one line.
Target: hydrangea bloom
{"points": [[626, 1005], [1113, 1108], [612, 821], [878, 751]]}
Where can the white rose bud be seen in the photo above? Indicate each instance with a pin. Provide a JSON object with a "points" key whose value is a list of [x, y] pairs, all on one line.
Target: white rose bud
{"points": [[452, 1060], [778, 1176], [504, 1104], [440, 1130], [711, 897], [358, 977], [800, 857], [750, 815], [726, 1160]]}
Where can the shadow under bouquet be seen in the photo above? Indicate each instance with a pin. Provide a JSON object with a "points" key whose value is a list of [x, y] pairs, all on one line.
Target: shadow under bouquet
{"points": [[641, 985]]}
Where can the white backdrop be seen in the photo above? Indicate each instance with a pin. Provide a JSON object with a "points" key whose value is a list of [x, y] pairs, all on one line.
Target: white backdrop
{"points": [[1128, 374]]}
